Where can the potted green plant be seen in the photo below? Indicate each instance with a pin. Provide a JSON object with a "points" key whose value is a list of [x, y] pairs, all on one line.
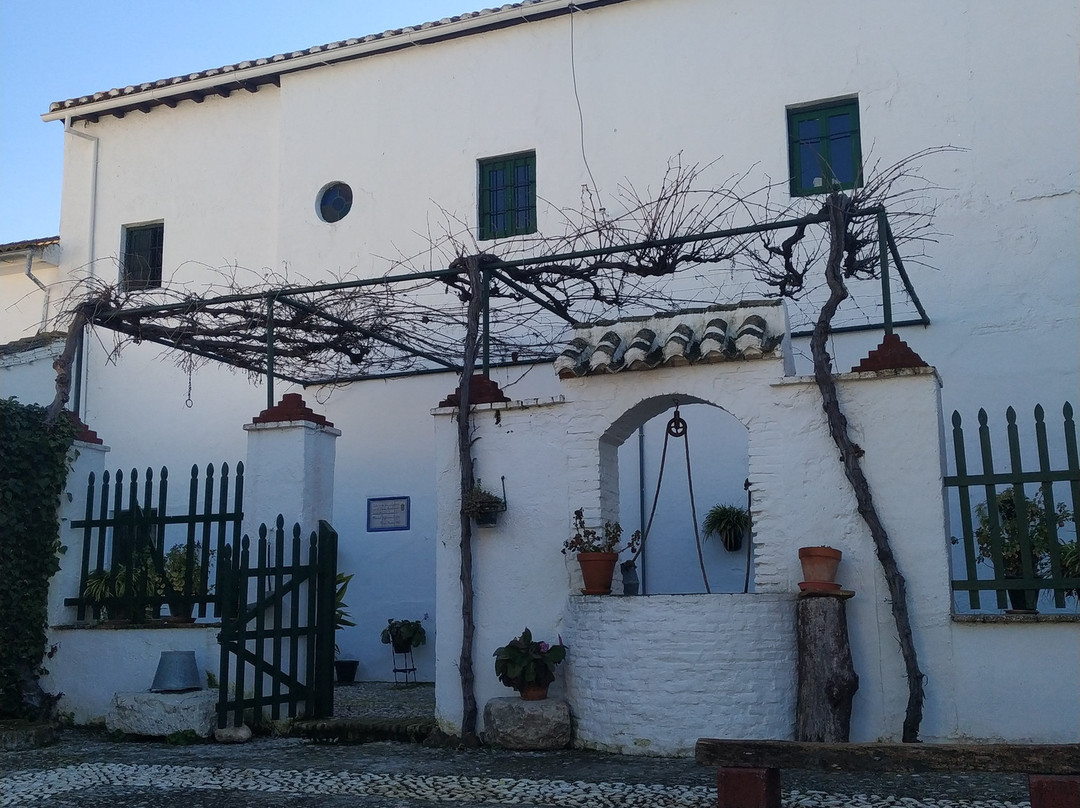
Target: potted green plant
{"points": [[1008, 560], [729, 522], [344, 669], [482, 505], [597, 552], [175, 566], [528, 666], [108, 588], [403, 635]]}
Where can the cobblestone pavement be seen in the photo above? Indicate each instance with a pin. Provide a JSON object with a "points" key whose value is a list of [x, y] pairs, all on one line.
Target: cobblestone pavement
{"points": [[87, 770]]}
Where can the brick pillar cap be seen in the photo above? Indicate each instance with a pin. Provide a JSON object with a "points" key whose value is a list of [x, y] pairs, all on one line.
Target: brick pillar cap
{"points": [[892, 353], [83, 433], [482, 390], [290, 408]]}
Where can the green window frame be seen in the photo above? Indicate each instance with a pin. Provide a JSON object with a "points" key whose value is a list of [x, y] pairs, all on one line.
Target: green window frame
{"points": [[143, 250], [824, 147], [506, 195]]}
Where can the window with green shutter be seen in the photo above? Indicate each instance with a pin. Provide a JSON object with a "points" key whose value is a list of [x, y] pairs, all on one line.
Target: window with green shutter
{"points": [[507, 195], [824, 150]]}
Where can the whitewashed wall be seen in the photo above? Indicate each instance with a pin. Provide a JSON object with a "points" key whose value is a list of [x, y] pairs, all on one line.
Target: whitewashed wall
{"points": [[235, 181], [556, 453], [29, 375], [651, 675]]}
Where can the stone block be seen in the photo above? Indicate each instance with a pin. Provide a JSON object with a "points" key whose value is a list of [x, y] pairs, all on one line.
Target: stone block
{"points": [[158, 714], [240, 734], [514, 723]]}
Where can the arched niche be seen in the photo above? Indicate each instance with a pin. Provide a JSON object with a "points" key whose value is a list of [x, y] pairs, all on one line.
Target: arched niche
{"points": [[631, 449]]}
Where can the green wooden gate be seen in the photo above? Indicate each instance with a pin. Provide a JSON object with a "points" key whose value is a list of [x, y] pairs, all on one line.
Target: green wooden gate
{"points": [[277, 627]]}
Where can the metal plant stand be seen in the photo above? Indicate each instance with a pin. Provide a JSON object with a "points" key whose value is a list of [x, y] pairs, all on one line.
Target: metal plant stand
{"points": [[404, 667]]}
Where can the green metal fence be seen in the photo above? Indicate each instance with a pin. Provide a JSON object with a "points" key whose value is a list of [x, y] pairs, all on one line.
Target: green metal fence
{"points": [[1018, 526], [137, 555], [277, 627]]}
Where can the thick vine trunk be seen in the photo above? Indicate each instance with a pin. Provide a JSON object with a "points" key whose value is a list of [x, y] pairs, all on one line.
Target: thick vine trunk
{"points": [[468, 625], [838, 208], [63, 363]]}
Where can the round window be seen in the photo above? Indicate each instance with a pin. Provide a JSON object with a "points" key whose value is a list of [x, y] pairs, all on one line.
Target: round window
{"points": [[335, 201]]}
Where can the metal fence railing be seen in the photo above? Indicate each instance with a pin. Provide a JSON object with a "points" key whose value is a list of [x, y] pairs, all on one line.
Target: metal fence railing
{"points": [[1018, 527], [137, 556]]}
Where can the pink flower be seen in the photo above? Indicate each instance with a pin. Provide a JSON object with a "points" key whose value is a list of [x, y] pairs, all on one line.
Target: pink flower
{"points": [[544, 648]]}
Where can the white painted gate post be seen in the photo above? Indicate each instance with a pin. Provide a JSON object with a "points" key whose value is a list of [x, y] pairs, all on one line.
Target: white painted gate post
{"points": [[89, 459], [289, 468]]}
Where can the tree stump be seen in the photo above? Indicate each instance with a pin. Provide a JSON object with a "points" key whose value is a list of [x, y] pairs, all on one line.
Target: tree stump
{"points": [[827, 679]]}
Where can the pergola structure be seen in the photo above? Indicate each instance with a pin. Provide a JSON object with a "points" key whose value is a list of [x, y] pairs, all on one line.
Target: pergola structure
{"points": [[333, 333]]}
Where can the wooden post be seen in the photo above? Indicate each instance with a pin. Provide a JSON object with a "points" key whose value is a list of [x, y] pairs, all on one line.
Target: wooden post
{"points": [[827, 679]]}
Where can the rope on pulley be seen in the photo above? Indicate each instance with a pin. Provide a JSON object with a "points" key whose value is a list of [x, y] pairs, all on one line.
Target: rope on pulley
{"points": [[677, 428]]}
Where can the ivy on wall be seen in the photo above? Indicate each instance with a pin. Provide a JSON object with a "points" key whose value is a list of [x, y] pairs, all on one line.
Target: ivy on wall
{"points": [[34, 464]]}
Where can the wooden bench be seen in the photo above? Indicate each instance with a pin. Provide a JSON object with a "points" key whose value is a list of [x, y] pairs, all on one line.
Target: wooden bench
{"points": [[749, 775]]}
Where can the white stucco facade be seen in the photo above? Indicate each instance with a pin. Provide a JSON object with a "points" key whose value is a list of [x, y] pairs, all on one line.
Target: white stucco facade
{"points": [[235, 181], [651, 674]]}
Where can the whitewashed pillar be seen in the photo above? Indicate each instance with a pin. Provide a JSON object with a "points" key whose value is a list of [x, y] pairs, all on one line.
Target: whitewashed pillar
{"points": [[290, 467], [89, 459]]}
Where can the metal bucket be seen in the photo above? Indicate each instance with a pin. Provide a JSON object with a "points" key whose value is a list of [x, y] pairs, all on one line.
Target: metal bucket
{"points": [[176, 672]]}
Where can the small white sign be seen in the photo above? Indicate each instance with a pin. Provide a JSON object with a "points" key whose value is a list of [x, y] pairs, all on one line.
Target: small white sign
{"points": [[387, 513]]}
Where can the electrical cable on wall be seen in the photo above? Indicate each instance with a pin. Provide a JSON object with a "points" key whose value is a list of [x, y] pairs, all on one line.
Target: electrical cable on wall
{"points": [[577, 98]]}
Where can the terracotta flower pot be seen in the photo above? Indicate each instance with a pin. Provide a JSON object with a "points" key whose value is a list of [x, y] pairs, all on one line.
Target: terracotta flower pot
{"points": [[819, 566], [597, 570], [533, 692]]}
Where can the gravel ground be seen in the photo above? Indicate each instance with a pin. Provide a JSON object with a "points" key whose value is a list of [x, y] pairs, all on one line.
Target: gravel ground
{"points": [[88, 770]]}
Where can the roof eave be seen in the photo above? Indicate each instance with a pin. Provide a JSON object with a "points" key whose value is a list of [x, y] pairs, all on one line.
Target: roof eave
{"points": [[251, 78]]}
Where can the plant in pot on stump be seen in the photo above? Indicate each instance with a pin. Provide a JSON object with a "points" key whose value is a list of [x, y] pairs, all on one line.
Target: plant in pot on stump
{"points": [[344, 669], [597, 554], [528, 666], [1009, 555], [819, 566], [729, 522], [482, 505]]}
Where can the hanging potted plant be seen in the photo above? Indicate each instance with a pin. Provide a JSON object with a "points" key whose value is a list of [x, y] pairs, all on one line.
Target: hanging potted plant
{"points": [[483, 505], [729, 522], [596, 554], [528, 666], [344, 669], [403, 635]]}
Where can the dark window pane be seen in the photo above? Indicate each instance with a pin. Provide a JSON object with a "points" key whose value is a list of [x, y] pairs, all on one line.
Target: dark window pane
{"points": [[841, 161], [143, 248], [810, 166], [335, 202]]}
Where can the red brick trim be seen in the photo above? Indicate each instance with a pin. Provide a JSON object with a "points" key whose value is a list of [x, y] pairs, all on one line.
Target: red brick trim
{"points": [[482, 390], [83, 434], [892, 353], [290, 408]]}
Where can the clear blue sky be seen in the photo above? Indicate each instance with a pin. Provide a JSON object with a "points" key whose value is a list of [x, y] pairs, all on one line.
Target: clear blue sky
{"points": [[51, 50]]}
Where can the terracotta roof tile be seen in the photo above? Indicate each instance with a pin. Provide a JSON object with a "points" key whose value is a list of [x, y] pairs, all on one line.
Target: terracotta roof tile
{"points": [[741, 331]]}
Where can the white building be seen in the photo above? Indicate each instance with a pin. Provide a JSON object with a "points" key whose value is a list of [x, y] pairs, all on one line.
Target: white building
{"points": [[241, 166]]}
